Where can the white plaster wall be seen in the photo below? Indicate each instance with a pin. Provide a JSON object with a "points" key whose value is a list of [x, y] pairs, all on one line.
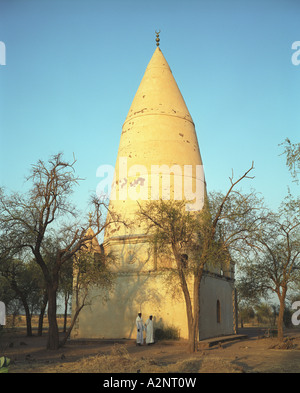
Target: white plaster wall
{"points": [[133, 293], [147, 293]]}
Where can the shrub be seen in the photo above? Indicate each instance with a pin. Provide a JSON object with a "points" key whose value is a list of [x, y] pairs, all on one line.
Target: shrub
{"points": [[167, 333]]}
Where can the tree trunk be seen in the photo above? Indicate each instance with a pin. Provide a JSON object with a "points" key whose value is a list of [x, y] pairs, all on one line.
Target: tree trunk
{"points": [[280, 315], [66, 313], [189, 310], [42, 313], [192, 340], [53, 336], [195, 327], [186, 293], [28, 321], [26, 308], [71, 326]]}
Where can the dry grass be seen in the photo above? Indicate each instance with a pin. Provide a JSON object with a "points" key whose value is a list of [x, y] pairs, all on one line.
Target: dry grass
{"points": [[121, 361], [256, 354], [125, 363], [287, 343], [19, 321]]}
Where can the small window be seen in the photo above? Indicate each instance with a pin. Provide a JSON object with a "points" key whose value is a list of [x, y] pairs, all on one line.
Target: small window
{"points": [[218, 312]]}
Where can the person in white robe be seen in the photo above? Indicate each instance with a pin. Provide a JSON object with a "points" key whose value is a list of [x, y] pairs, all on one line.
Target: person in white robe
{"points": [[140, 329], [149, 331]]}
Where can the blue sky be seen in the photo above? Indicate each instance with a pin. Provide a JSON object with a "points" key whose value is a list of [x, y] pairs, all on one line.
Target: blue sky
{"points": [[73, 68]]}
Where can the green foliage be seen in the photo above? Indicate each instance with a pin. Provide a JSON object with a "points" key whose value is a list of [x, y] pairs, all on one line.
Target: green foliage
{"points": [[246, 313], [188, 238], [4, 364], [264, 314], [20, 281]]}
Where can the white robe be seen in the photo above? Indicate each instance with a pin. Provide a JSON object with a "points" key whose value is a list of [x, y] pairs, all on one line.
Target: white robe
{"points": [[149, 332], [140, 328]]}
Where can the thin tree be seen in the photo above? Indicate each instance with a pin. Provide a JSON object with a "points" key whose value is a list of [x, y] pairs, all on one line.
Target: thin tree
{"points": [[24, 281], [205, 237], [274, 265], [91, 270], [29, 220], [247, 297], [65, 289]]}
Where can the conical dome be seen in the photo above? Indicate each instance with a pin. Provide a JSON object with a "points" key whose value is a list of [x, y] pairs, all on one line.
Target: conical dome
{"points": [[158, 140], [158, 93]]}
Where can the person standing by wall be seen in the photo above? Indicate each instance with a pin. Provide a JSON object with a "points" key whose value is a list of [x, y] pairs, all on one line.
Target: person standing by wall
{"points": [[140, 329], [149, 331]]}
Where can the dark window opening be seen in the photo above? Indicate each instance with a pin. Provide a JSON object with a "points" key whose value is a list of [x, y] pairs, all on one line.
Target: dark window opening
{"points": [[218, 312]]}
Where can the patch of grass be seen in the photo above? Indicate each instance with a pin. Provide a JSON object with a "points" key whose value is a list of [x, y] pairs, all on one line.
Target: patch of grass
{"points": [[120, 361], [191, 365]]}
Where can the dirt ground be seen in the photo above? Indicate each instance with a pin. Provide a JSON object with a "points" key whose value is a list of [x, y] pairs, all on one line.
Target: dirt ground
{"points": [[254, 354]]}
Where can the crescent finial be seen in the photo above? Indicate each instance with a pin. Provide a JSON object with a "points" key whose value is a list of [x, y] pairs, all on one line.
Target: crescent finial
{"points": [[157, 37]]}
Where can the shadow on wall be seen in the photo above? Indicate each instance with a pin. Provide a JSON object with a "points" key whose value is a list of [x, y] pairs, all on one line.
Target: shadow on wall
{"points": [[134, 291]]}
